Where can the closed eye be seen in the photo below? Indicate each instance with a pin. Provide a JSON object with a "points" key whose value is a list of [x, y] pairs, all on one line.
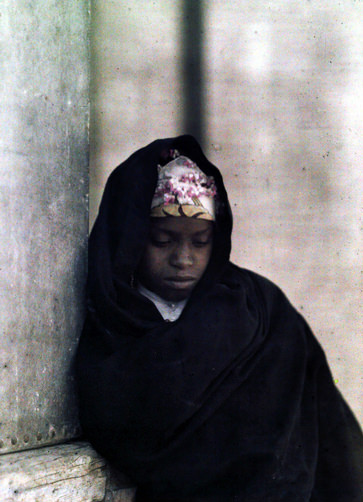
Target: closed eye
{"points": [[160, 243], [201, 244]]}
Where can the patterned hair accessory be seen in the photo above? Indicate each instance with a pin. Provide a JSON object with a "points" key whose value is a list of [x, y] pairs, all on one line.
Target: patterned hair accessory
{"points": [[184, 190]]}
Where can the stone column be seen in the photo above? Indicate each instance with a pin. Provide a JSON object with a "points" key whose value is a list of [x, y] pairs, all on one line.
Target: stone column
{"points": [[44, 216]]}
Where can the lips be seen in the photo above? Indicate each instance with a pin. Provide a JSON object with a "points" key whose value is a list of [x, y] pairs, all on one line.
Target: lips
{"points": [[181, 278], [180, 282]]}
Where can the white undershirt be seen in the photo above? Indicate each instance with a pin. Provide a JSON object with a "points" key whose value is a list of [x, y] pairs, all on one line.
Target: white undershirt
{"points": [[169, 310]]}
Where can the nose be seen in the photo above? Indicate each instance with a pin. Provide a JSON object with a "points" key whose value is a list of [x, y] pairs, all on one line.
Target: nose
{"points": [[181, 257]]}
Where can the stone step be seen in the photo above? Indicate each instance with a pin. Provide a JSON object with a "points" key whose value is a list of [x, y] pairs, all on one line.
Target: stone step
{"points": [[71, 472]]}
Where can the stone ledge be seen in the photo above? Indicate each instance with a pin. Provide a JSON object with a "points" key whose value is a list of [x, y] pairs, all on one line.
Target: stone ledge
{"points": [[72, 472]]}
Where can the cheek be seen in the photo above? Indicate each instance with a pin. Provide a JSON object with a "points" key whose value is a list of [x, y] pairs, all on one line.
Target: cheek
{"points": [[204, 259], [152, 263]]}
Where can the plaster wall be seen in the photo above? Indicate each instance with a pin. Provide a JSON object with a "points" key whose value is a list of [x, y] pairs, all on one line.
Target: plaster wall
{"points": [[283, 88], [284, 85], [44, 107]]}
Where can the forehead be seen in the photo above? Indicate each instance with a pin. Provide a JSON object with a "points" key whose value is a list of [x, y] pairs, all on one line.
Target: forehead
{"points": [[181, 225]]}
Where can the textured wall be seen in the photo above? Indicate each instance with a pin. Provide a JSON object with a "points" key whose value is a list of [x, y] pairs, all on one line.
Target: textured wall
{"points": [[287, 134], [283, 93], [135, 81], [43, 218]]}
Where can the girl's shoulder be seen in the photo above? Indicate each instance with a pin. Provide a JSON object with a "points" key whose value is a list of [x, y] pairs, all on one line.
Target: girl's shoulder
{"points": [[235, 275]]}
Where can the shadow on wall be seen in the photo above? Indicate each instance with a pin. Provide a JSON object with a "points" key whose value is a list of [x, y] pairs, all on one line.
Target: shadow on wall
{"points": [[147, 80], [192, 30]]}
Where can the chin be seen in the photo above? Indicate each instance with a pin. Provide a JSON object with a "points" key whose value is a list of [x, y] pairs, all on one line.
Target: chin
{"points": [[175, 295]]}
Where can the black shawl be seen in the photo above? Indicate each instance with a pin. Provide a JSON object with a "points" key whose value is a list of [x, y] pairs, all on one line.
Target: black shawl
{"points": [[234, 401]]}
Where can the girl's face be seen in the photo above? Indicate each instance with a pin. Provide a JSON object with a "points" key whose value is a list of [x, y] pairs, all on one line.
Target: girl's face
{"points": [[176, 255]]}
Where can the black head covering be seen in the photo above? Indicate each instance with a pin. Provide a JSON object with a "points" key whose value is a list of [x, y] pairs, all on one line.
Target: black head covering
{"points": [[234, 400], [121, 228]]}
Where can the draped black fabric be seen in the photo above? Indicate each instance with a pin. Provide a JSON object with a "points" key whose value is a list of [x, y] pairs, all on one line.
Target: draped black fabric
{"points": [[234, 401]]}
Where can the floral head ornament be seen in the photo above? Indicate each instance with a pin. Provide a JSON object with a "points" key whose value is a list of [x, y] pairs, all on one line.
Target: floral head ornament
{"points": [[184, 190]]}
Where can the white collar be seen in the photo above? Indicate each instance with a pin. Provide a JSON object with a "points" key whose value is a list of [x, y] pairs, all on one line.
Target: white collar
{"points": [[169, 310]]}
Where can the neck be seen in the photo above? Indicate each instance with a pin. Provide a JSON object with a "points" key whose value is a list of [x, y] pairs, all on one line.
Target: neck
{"points": [[169, 310]]}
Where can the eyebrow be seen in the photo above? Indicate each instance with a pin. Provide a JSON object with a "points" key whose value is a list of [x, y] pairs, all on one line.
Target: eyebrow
{"points": [[175, 233]]}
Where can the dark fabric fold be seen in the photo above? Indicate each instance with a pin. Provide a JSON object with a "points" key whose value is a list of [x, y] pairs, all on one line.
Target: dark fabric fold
{"points": [[234, 400]]}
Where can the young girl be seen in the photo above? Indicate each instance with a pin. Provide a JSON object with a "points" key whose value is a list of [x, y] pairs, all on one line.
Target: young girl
{"points": [[197, 378]]}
